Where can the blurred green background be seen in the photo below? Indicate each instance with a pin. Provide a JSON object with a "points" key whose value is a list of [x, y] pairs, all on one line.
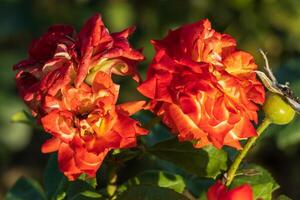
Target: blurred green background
{"points": [[271, 25]]}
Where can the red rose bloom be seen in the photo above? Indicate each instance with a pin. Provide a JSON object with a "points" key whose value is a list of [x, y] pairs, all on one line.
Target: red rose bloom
{"points": [[66, 82], [219, 192], [61, 57], [86, 124], [203, 87]]}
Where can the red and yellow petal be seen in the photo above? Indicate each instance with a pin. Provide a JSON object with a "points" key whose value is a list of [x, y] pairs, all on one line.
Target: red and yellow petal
{"points": [[51, 145], [203, 87]]}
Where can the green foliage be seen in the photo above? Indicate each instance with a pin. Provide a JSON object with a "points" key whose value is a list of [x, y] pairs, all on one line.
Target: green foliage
{"points": [[58, 187], [156, 178], [198, 186], [267, 24], [260, 179], [120, 156], [81, 190], [54, 181], [91, 181], [25, 189], [205, 162], [148, 192], [283, 197], [158, 131], [21, 117]]}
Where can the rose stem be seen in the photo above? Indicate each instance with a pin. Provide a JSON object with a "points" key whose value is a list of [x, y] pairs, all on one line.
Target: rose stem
{"points": [[237, 161]]}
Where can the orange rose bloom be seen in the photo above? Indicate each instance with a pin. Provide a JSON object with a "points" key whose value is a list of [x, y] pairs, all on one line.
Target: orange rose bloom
{"points": [[85, 124], [203, 87], [61, 57], [66, 82]]}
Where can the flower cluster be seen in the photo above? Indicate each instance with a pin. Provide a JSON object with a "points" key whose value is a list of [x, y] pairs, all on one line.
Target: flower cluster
{"points": [[67, 84], [203, 87], [218, 191]]}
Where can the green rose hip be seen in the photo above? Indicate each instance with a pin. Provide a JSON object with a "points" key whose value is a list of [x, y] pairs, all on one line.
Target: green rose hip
{"points": [[278, 110]]}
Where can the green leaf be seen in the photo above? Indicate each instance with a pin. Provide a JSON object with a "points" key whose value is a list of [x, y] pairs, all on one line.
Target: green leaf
{"points": [[22, 117], [283, 197], [148, 192], [198, 186], [91, 194], [123, 155], [156, 178], [91, 181], [260, 179], [157, 130], [205, 162], [25, 189], [81, 190], [55, 182]]}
